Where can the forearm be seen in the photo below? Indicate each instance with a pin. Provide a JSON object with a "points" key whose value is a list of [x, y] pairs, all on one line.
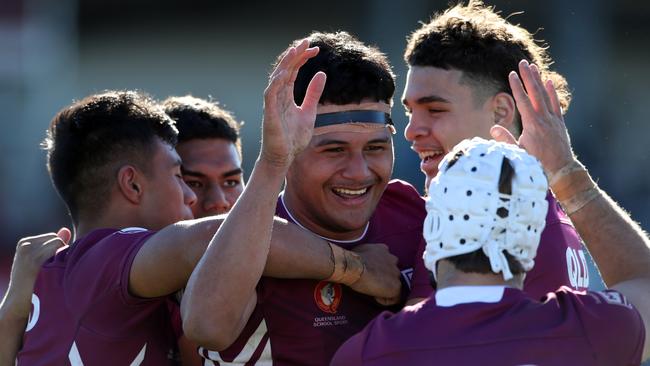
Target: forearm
{"points": [[297, 253], [14, 313], [600, 223], [227, 274]]}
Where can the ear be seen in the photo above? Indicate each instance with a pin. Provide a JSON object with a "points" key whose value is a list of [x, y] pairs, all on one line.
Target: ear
{"points": [[129, 182], [505, 111]]}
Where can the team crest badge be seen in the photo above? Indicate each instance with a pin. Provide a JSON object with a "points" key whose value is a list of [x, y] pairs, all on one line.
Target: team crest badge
{"points": [[328, 296]]}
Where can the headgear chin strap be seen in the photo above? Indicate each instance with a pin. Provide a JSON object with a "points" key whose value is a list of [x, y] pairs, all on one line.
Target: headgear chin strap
{"points": [[466, 212]]}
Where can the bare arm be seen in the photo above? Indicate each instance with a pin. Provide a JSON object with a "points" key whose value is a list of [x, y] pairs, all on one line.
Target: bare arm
{"points": [[620, 248], [220, 294], [31, 253]]}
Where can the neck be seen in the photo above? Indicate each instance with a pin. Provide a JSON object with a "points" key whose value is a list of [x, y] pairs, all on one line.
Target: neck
{"points": [[311, 226], [448, 275], [107, 221]]}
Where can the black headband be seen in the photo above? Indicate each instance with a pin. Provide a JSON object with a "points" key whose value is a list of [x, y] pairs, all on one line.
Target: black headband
{"points": [[363, 116]]}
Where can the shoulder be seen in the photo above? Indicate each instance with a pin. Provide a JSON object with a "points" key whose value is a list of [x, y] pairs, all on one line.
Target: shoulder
{"points": [[402, 195]]}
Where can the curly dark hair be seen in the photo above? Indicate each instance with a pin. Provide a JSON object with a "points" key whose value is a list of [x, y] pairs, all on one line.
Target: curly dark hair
{"points": [[476, 40]]}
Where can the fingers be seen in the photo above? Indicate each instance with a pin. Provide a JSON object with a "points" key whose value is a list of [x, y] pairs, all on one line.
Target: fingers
{"points": [[65, 234], [555, 100], [541, 93], [530, 76], [52, 245], [521, 98], [501, 134], [314, 91]]}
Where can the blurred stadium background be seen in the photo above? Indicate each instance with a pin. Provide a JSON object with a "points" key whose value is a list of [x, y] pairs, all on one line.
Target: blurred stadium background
{"points": [[55, 51]]}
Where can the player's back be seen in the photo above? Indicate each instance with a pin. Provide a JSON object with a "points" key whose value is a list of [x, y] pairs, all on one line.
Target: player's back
{"points": [[82, 310], [567, 329]]}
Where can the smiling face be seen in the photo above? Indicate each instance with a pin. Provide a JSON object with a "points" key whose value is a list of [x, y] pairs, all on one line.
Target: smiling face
{"points": [[443, 109], [212, 169], [334, 185]]}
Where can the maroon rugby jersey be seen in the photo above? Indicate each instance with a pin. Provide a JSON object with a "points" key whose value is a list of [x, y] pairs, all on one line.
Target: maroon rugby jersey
{"points": [[83, 313], [560, 259], [303, 322], [502, 326]]}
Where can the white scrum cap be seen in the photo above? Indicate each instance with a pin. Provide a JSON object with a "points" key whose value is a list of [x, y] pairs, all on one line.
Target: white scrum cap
{"points": [[466, 212]]}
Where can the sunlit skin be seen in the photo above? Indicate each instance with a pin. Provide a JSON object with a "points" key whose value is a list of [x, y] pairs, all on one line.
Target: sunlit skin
{"points": [[212, 169], [166, 199], [443, 109], [335, 184]]}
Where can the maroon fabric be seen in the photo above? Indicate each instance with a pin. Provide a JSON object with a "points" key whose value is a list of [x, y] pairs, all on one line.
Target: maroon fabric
{"points": [[567, 328], [85, 310]]}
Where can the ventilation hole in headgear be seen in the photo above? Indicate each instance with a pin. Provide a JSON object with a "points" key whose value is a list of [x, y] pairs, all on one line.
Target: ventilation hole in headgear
{"points": [[482, 154], [528, 227], [531, 179], [473, 169], [502, 212], [533, 203], [469, 193], [535, 230], [462, 241], [502, 231], [451, 217], [466, 217], [441, 245], [445, 189]]}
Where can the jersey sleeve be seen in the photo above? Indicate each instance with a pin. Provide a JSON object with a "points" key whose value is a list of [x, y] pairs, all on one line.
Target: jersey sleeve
{"points": [[101, 273], [421, 280], [613, 326]]}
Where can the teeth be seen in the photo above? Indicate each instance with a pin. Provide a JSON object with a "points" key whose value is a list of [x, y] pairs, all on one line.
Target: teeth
{"points": [[351, 192], [424, 155]]}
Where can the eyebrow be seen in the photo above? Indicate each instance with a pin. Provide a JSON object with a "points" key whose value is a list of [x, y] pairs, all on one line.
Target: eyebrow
{"points": [[227, 174], [427, 99]]}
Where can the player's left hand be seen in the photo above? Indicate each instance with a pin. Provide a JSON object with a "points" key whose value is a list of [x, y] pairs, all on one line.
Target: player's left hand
{"points": [[287, 127], [31, 253], [544, 133], [381, 279]]}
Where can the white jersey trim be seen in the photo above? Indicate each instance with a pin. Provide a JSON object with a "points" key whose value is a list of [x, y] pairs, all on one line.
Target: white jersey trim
{"points": [[455, 295]]}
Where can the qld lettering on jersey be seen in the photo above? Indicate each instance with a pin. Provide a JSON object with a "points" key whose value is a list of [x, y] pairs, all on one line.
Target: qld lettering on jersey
{"points": [[577, 268]]}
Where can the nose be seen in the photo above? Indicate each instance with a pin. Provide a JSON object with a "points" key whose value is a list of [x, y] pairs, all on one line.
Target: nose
{"points": [[216, 201], [416, 128], [189, 197], [356, 167]]}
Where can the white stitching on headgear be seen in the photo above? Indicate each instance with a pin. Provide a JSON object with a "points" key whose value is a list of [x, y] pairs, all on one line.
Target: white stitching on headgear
{"points": [[464, 199]]}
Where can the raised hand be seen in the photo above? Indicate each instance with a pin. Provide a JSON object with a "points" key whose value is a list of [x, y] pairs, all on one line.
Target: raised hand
{"points": [[544, 133], [287, 127], [381, 277]]}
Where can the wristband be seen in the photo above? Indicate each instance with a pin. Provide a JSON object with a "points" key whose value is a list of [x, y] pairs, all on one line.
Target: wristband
{"points": [[579, 200], [348, 266]]}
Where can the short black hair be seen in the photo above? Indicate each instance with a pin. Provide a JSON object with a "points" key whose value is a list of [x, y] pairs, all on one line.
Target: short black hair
{"points": [[355, 71], [198, 118], [88, 141]]}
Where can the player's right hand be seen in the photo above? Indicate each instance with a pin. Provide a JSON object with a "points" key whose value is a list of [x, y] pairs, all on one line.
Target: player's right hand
{"points": [[287, 127], [381, 278]]}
